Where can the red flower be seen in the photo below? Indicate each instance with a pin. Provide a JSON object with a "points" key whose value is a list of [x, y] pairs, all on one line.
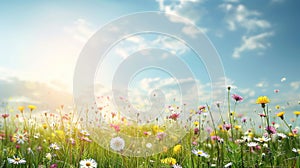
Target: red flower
{"points": [[5, 115], [174, 116]]}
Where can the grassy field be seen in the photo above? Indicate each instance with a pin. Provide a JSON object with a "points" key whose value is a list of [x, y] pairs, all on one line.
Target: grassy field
{"points": [[58, 139]]}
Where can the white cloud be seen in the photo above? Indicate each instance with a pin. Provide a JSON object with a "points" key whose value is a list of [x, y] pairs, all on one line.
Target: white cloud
{"points": [[240, 16], [135, 39], [189, 9], [81, 30], [295, 85], [122, 52], [283, 79], [247, 92], [262, 84], [137, 43], [232, 1], [251, 43], [192, 31], [23, 99], [24, 92], [277, 1]]}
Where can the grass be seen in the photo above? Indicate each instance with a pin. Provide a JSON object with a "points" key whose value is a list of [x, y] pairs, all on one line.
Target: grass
{"points": [[59, 139]]}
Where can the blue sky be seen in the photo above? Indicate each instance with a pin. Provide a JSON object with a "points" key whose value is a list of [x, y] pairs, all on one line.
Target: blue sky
{"points": [[258, 43]]}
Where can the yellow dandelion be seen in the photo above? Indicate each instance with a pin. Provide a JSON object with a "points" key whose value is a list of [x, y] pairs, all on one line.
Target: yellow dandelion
{"points": [[263, 100], [237, 127], [213, 133], [45, 126], [280, 114], [177, 149], [277, 107], [196, 123], [31, 107], [170, 161], [220, 127], [292, 135], [297, 113], [155, 128], [250, 135], [60, 134], [21, 109], [165, 149]]}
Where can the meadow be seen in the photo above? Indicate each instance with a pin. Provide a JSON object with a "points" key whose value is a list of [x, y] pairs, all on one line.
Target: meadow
{"points": [[32, 138]]}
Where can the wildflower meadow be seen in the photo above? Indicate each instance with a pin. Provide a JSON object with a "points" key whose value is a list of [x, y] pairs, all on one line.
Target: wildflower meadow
{"points": [[264, 138]]}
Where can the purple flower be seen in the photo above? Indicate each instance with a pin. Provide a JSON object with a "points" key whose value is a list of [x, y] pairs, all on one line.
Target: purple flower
{"points": [[271, 130], [227, 126], [237, 98], [54, 165], [209, 130], [244, 119], [214, 137], [160, 136], [218, 104], [196, 130]]}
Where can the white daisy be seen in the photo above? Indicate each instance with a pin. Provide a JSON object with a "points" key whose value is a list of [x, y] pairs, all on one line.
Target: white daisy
{"points": [[88, 163], [246, 138], [54, 146], [200, 153], [149, 145], [176, 166], [262, 139], [117, 144], [37, 135], [252, 144], [85, 133], [296, 150], [281, 136], [21, 138], [48, 156], [16, 160], [228, 164]]}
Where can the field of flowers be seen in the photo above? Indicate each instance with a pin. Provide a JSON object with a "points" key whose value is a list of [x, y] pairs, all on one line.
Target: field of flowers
{"points": [[29, 138]]}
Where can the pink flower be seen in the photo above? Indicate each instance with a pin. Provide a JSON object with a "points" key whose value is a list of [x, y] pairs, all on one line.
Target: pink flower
{"points": [[257, 147], [18, 146], [271, 130], [54, 165], [237, 98], [84, 138], [116, 127], [194, 143], [174, 116], [295, 131], [201, 108], [227, 126], [214, 138], [209, 130], [113, 114], [161, 135], [5, 115], [196, 130], [218, 104], [262, 115]]}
